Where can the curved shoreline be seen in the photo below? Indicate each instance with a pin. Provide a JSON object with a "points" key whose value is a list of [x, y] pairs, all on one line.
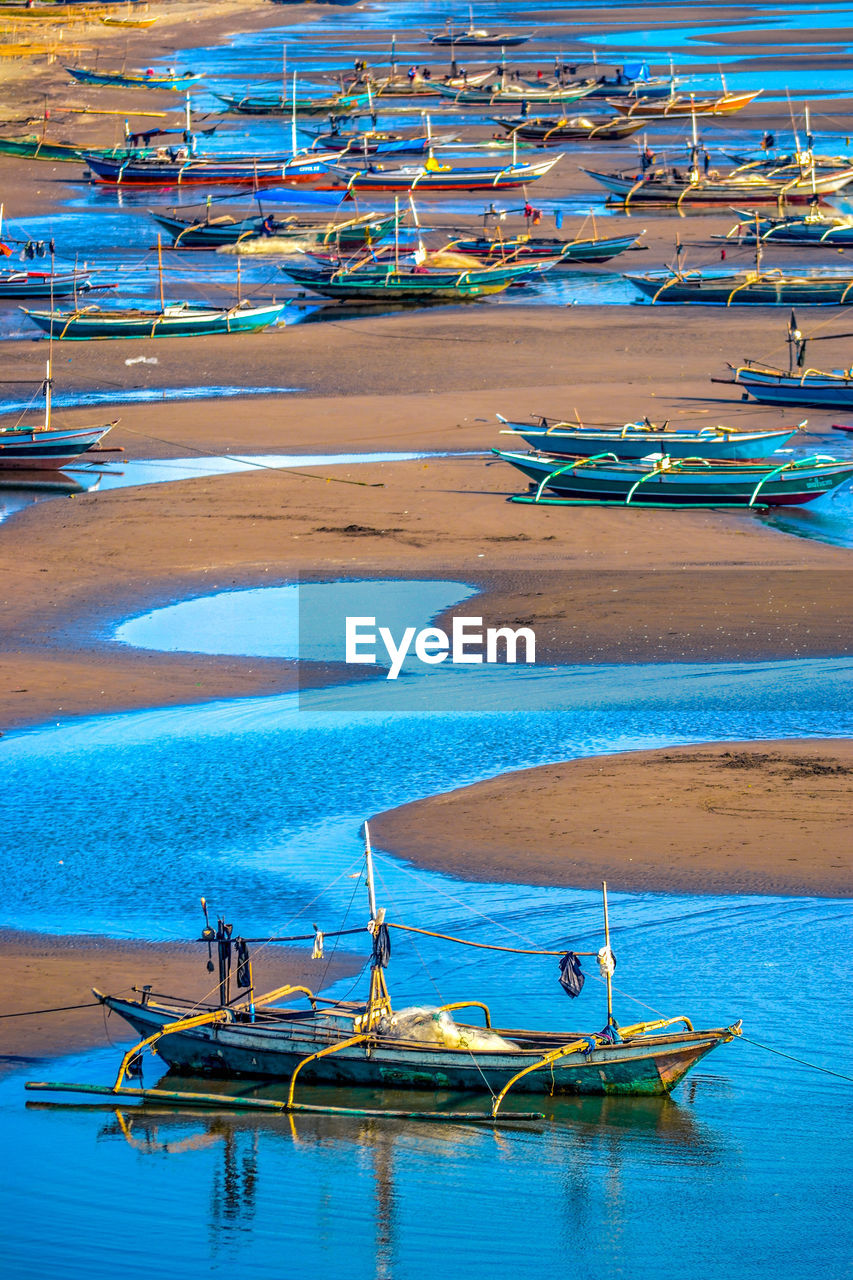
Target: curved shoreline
{"points": [[737, 818]]}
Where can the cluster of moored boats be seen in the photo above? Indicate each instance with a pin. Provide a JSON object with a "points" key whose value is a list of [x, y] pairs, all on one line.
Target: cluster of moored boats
{"points": [[349, 248]]}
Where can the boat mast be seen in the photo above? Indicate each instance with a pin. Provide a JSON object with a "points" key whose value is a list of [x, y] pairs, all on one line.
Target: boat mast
{"points": [[293, 118], [160, 272], [608, 958], [378, 1000]]}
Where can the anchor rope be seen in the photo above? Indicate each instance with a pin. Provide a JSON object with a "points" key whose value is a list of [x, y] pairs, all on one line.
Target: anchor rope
{"points": [[801, 1061], [62, 1008], [252, 462]]}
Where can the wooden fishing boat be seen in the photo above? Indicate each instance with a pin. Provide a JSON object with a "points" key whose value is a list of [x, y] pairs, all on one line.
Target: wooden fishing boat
{"points": [[744, 288], [477, 36], [434, 176], [514, 93], [683, 105], [388, 282], [339, 104], [669, 185], [185, 170], [182, 319], [823, 389], [36, 147], [370, 1044], [45, 447], [798, 384], [142, 23], [803, 231], [257, 233], [136, 79], [639, 439], [46, 284], [550, 132], [559, 252], [667, 481], [373, 142]]}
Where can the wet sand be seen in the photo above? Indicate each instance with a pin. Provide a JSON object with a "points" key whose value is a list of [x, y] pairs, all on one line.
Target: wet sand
{"points": [[722, 818], [46, 972], [597, 584]]}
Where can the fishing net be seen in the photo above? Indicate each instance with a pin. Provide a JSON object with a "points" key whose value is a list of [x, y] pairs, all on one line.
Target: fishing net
{"points": [[433, 1026]]}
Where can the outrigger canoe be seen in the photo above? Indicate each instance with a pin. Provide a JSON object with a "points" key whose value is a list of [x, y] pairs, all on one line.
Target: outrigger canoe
{"points": [[46, 449], [385, 282], [550, 132], [45, 284], [640, 439], [725, 104], [561, 253], [436, 177], [692, 482], [370, 1044], [259, 234], [136, 79], [283, 105], [682, 187], [745, 288], [181, 171], [177, 320], [821, 388]]}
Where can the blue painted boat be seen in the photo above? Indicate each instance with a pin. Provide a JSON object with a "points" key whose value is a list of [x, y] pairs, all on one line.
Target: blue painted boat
{"points": [[178, 320], [640, 439], [688, 482], [135, 79]]}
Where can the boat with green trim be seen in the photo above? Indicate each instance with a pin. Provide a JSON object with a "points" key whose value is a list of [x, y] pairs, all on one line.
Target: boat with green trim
{"points": [[371, 1044], [387, 282], [280, 104], [745, 288], [265, 234], [552, 249], [148, 79], [666, 481], [182, 319]]}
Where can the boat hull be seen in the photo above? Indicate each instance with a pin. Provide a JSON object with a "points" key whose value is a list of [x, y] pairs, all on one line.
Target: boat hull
{"points": [[815, 389], [419, 178], [40, 284], [731, 291], [726, 446], [391, 286], [643, 1066], [181, 173], [684, 107], [566, 252], [46, 450], [727, 485], [175, 322], [176, 83], [637, 187]]}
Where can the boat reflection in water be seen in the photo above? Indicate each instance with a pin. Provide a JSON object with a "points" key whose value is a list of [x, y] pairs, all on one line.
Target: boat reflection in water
{"points": [[248, 1160]]}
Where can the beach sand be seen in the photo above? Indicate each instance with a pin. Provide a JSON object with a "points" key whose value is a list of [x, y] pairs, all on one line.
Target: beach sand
{"points": [[719, 818]]}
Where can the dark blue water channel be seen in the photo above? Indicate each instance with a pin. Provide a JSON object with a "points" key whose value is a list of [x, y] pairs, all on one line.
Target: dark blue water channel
{"points": [[257, 804]]}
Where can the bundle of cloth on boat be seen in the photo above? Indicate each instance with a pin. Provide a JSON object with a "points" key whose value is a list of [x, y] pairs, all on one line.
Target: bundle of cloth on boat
{"points": [[571, 975], [429, 1025]]}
